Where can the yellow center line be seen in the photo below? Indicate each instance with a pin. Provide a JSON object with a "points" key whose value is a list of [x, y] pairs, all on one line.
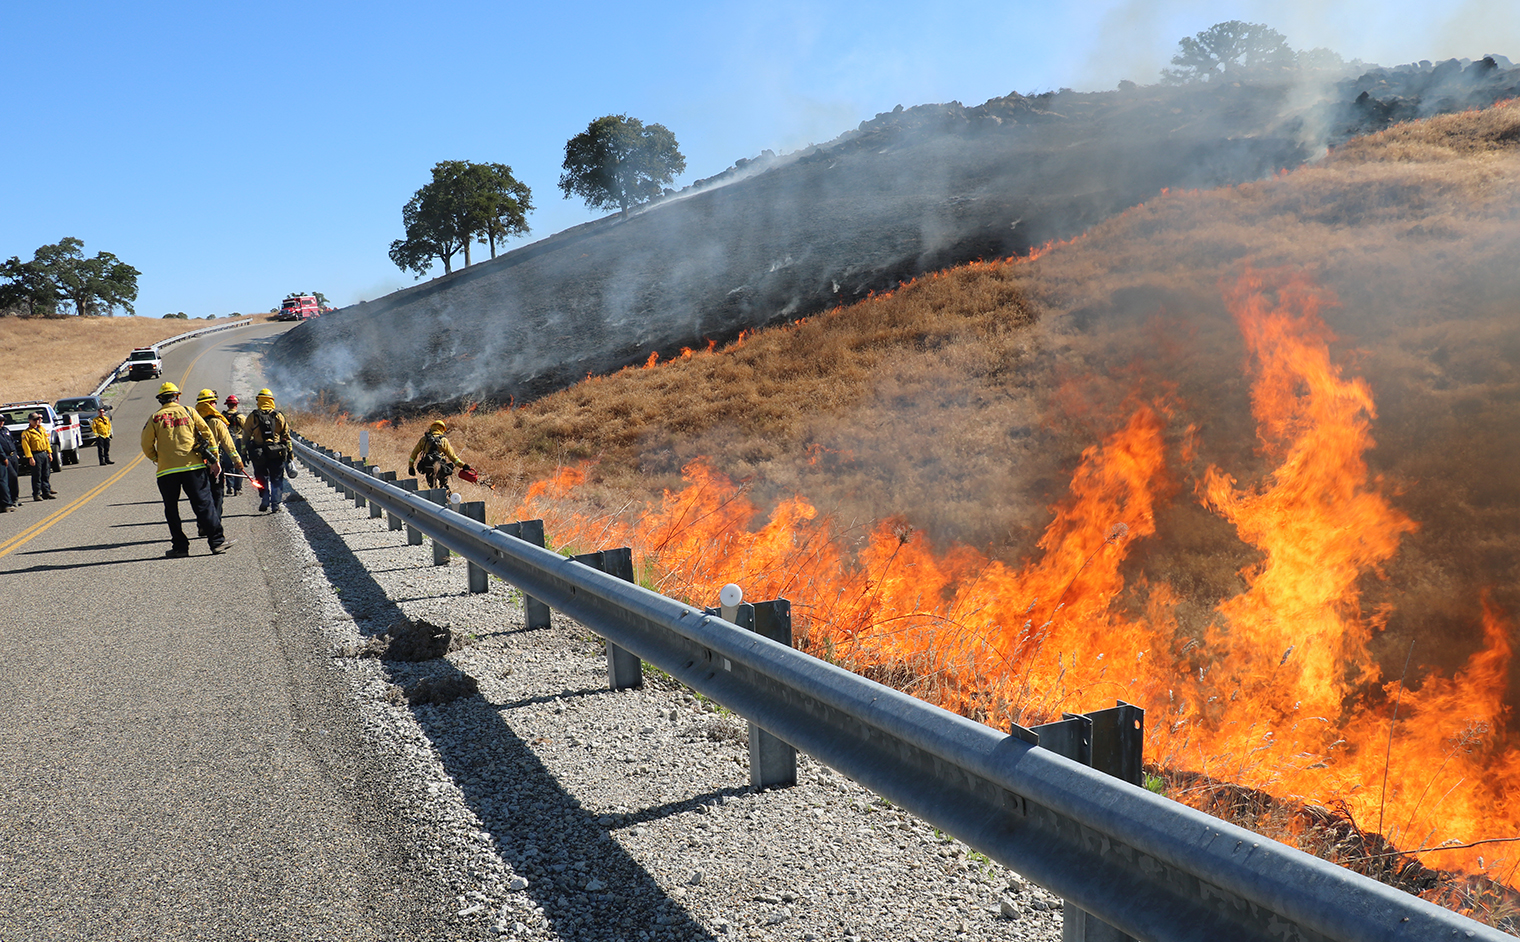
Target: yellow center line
{"points": [[37, 529]]}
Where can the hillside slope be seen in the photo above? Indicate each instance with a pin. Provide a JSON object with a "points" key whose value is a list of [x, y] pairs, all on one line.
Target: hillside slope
{"points": [[909, 192], [1243, 456]]}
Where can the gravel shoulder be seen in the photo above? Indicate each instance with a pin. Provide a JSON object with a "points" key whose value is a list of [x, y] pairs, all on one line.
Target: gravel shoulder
{"points": [[549, 807]]}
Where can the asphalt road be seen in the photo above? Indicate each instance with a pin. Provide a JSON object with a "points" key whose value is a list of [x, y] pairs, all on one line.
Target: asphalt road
{"points": [[174, 761]]}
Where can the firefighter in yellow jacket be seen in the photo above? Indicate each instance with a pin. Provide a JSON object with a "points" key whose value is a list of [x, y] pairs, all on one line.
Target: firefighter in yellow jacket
{"points": [[221, 434], [435, 456], [181, 443], [101, 426], [37, 454], [266, 437]]}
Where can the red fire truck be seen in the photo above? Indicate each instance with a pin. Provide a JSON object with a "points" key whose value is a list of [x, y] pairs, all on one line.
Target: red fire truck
{"points": [[298, 307]]}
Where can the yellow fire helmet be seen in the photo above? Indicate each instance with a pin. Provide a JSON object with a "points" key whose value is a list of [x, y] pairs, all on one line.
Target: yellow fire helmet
{"points": [[207, 395], [265, 392], [168, 389], [438, 424]]}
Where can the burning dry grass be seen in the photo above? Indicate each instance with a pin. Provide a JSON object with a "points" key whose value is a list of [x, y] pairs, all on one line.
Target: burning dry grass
{"points": [[52, 357], [1230, 456]]}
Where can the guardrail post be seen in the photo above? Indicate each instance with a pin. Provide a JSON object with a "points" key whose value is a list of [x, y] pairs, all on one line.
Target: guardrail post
{"points": [[358, 464], [772, 761], [1109, 741], [624, 669], [348, 492], [476, 510], [535, 613], [439, 496], [388, 477], [394, 521]]}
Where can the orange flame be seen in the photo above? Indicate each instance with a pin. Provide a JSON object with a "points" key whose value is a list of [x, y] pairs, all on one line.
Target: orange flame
{"points": [[1281, 693]]}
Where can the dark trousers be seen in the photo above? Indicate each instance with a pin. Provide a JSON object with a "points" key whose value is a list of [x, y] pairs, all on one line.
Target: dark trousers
{"points": [[8, 493], [103, 446], [196, 486], [42, 471], [271, 474], [216, 494]]}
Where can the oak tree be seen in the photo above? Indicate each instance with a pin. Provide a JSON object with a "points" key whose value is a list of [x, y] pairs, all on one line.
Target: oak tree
{"points": [[620, 162], [1229, 50], [61, 273], [463, 204]]}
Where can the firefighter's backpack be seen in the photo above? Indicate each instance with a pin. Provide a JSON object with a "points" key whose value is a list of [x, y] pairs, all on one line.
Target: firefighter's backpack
{"points": [[270, 448], [432, 455]]}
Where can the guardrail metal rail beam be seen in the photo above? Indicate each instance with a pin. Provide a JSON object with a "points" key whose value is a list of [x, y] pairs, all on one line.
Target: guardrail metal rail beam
{"points": [[1151, 867]]}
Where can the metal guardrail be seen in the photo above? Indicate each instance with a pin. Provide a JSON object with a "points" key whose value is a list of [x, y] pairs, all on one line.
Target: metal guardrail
{"points": [[1147, 865], [115, 373]]}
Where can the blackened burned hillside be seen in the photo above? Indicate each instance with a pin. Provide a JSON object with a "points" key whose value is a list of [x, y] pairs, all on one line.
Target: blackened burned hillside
{"points": [[779, 238]]}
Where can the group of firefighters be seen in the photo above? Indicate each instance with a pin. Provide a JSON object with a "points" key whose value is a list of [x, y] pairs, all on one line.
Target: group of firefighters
{"points": [[198, 456], [204, 454]]}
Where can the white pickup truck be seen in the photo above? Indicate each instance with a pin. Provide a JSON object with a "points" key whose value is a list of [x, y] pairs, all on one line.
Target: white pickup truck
{"points": [[144, 363], [63, 431]]}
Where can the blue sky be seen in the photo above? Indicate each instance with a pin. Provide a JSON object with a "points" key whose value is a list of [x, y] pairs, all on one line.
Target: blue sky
{"points": [[235, 153]]}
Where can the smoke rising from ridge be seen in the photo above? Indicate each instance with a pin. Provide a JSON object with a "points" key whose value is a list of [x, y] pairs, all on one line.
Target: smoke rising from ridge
{"points": [[910, 191]]}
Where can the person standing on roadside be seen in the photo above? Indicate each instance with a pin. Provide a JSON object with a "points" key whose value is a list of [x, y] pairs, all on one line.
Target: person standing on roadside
{"points": [[37, 451], [101, 426], [267, 437], [181, 443], [226, 448], [233, 483], [10, 481]]}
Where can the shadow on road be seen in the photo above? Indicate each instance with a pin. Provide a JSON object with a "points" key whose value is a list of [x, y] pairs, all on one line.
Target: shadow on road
{"points": [[572, 846], [96, 547]]}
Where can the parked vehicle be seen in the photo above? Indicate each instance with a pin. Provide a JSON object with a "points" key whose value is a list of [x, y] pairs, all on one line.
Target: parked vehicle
{"points": [[299, 307], [63, 431], [84, 407], [144, 363]]}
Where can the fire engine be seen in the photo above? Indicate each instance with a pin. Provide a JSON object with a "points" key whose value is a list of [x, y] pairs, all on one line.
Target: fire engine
{"points": [[298, 307]]}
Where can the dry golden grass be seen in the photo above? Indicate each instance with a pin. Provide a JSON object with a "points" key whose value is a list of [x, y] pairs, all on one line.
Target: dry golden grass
{"points": [[50, 358]]}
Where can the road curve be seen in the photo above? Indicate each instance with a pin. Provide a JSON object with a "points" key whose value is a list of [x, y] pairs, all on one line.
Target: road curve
{"points": [[174, 761]]}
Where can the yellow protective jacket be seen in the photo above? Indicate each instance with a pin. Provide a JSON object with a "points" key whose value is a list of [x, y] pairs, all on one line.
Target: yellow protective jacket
{"points": [[220, 434], [234, 422], [101, 426], [253, 432], [170, 436], [444, 448], [34, 441]]}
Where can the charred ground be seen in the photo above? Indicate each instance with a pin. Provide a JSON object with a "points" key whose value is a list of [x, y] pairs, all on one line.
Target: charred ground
{"points": [[778, 238]]}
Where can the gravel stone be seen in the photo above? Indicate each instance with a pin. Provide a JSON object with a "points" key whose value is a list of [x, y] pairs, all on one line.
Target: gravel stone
{"points": [[553, 808]]}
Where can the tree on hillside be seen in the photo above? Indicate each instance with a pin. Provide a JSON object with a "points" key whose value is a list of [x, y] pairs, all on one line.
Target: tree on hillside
{"points": [[96, 285], [619, 162], [60, 272], [433, 219], [463, 204], [29, 291], [499, 203], [1234, 49]]}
